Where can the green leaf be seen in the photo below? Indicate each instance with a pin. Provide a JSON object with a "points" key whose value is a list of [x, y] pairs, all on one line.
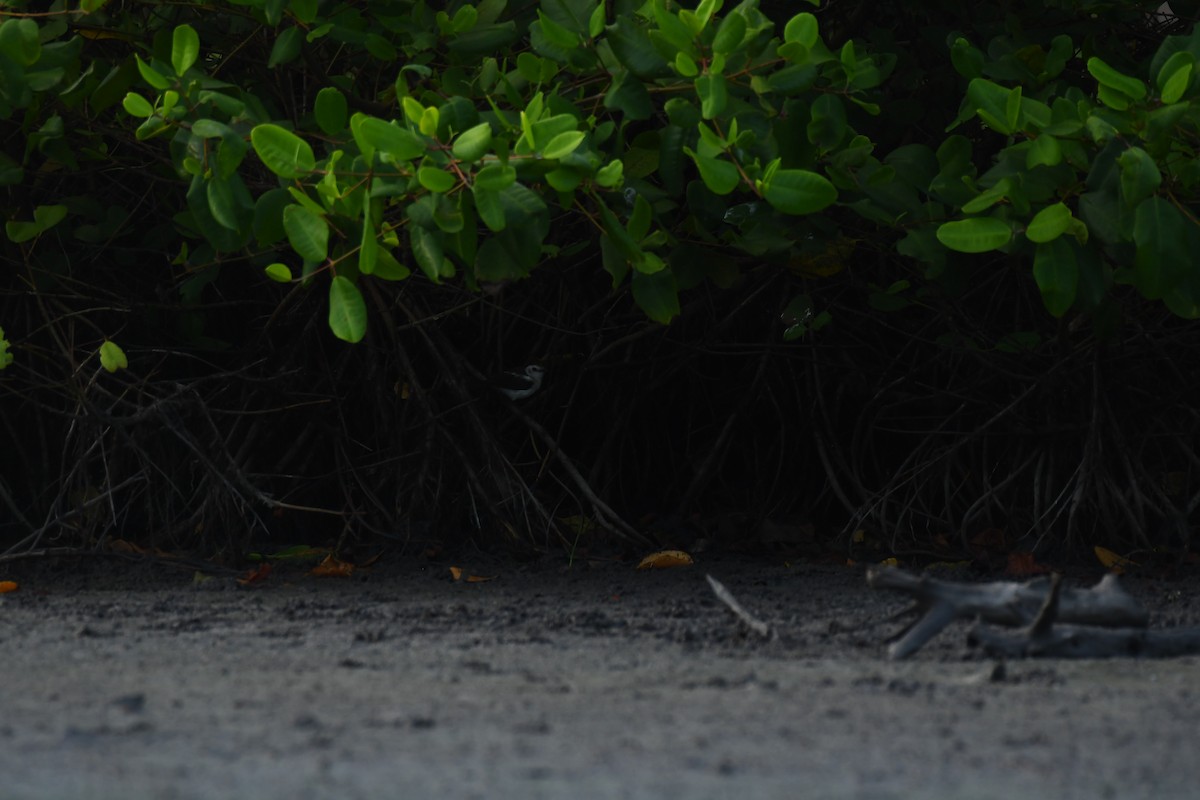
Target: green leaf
{"points": [[137, 106], [374, 135], [283, 152], [149, 74], [185, 48], [828, 127], [611, 174], [280, 273], [388, 268], [1107, 76], [657, 295], [1049, 223], [1140, 177], [44, 218], [714, 95], [112, 357], [1045, 150], [1175, 75], [223, 204], [436, 180], [1160, 232], [563, 144], [473, 143], [685, 65], [721, 177], [975, 235], [798, 191], [286, 48], [988, 197], [427, 250], [347, 311], [19, 41], [307, 233], [730, 34], [1057, 274], [495, 177], [802, 28], [990, 101], [331, 111]]}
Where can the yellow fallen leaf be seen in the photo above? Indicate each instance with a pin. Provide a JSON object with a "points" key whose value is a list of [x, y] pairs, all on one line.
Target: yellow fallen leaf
{"points": [[1113, 561], [664, 559]]}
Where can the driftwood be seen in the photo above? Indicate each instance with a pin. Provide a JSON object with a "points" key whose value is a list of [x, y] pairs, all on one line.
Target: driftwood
{"points": [[1047, 640], [1005, 603]]}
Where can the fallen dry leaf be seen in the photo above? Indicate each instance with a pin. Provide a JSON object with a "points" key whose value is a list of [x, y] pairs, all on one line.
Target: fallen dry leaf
{"points": [[8, 586], [333, 567], [256, 575], [665, 559], [1113, 561], [1024, 564], [457, 574]]}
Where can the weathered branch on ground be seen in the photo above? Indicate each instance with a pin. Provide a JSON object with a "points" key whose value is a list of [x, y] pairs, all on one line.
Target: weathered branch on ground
{"points": [[1046, 640], [1106, 605], [749, 620]]}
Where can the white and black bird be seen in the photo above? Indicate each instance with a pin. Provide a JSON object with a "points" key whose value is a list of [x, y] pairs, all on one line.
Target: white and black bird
{"points": [[520, 385]]}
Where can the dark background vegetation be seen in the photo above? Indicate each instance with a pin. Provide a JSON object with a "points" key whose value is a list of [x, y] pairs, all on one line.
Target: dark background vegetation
{"points": [[242, 420]]}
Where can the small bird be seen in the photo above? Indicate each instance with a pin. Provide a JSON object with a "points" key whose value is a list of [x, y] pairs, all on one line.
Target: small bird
{"points": [[520, 385]]}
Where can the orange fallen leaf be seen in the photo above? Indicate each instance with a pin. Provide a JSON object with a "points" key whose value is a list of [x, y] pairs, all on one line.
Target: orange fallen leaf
{"points": [[1113, 561], [8, 586], [665, 559], [256, 575], [332, 567], [457, 574], [1024, 564]]}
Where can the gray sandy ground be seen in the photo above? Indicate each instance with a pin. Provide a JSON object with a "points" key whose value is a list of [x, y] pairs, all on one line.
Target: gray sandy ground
{"points": [[600, 683]]}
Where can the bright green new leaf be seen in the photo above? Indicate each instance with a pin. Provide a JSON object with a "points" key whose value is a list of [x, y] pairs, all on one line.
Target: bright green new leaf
{"points": [[989, 197], [347, 311], [798, 191], [137, 106], [975, 235], [1175, 75], [112, 357], [331, 111], [283, 152], [611, 174], [1107, 76], [149, 74], [1049, 223], [714, 95], [657, 295], [280, 273], [185, 48], [685, 65], [473, 143], [563, 144], [436, 180], [307, 233], [1057, 274], [802, 28]]}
